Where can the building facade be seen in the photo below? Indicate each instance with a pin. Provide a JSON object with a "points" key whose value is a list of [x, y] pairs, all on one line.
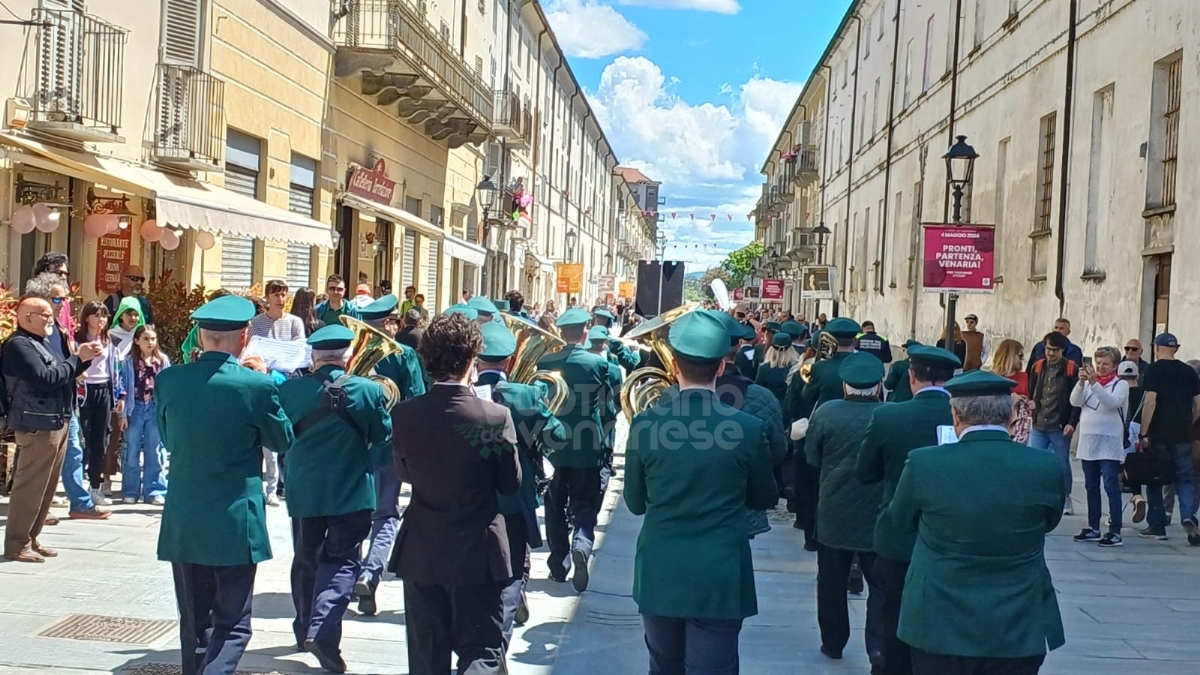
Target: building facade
{"points": [[1080, 160]]}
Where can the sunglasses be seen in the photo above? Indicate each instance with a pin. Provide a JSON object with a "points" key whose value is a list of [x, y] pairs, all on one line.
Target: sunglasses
{"points": [[57, 301], [1133, 349], [137, 279]]}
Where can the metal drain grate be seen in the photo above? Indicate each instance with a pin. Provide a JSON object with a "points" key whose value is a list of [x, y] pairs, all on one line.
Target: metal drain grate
{"points": [[94, 628], [172, 669]]}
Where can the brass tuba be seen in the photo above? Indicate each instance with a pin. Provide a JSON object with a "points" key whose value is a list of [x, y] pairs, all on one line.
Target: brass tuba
{"points": [[825, 348], [644, 385], [533, 343], [370, 346]]}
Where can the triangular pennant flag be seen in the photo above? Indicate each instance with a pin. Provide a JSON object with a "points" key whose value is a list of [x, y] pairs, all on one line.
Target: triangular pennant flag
{"points": [[731, 217], [692, 215], [714, 216], [673, 214]]}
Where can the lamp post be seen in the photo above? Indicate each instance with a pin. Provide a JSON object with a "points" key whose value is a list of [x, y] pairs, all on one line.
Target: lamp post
{"points": [[960, 168], [487, 198], [572, 235], [822, 233]]}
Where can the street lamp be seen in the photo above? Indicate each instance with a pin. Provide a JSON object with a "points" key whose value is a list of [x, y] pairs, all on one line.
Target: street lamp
{"points": [[572, 235], [487, 198], [822, 234], [960, 167]]}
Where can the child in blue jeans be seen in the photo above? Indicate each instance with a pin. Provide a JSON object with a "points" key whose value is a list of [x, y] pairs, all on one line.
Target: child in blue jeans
{"points": [[143, 456]]}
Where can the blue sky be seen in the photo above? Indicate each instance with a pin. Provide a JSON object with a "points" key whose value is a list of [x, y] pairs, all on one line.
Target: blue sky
{"points": [[693, 93]]}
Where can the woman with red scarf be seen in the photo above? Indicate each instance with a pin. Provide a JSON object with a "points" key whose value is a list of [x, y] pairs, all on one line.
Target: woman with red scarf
{"points": [[1103, 400]]}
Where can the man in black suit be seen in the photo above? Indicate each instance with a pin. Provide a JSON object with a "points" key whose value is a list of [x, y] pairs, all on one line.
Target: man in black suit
{"points": [[457, 451], [410, 330]]}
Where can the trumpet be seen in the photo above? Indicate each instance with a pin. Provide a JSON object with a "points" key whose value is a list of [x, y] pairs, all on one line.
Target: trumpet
{"points": [[644, 385], [533, 343]]}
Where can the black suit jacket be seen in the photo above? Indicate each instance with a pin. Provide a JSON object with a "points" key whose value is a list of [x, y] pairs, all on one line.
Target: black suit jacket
{"points": [[457, 451], [411, 338]]}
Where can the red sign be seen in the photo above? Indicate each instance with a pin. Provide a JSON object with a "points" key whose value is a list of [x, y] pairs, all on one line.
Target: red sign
{"points": [[959, 258], [372, 184], [739, 294], [112, 256], [772, 289]]}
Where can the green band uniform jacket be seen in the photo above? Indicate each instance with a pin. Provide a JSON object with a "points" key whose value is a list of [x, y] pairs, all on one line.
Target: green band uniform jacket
{"points": [[589, 381], [847, 508]]}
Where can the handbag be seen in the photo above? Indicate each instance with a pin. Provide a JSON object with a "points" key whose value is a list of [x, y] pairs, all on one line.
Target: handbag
{"points": [[1155, 467]]}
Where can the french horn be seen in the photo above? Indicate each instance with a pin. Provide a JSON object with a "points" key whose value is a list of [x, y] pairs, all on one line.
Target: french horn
{"points": [[644, 385], [533, 343], [369, 347], [825, 348]]}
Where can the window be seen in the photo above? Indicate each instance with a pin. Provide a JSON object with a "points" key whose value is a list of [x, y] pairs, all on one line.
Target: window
{"points": [[867, 42], [1012, 7], [181, 32], [882, 20], [980, 23], [243, 160], [1099, 176], [862, 123], [1001, 196], [875, 110], [1170, 124], [1040, 253], [845, 73], [880, 252], [908, 57], [894, 250], [927, 77], [914, 235], [864, 251], [413, 206], [301, 187]]}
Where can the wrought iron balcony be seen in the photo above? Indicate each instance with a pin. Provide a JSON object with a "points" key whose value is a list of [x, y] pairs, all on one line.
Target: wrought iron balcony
{"points": [[395, 55], [78, 65], [783, 184], [189, 126], [506, 122], [804, 165]]}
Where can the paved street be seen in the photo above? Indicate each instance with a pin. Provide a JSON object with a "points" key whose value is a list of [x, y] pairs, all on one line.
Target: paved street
{"points": [[1122, 608]]}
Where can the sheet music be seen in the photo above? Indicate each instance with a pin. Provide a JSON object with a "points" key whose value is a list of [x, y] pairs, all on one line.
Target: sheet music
{"points": [[946, 435], [484, 391], [285, 356]]}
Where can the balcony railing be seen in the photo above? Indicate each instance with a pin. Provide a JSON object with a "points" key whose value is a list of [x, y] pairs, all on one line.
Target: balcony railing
{"points": [[189, 130], [804, 165], [401, 27], [507, 120], [79, 76], [527, 125]]}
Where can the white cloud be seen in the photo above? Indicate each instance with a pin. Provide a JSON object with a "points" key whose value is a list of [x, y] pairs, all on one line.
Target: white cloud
{"points": [[718, 6], [587, 29], [706, 155]]}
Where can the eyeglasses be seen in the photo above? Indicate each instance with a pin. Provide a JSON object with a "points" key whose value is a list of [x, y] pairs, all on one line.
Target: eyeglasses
{"points": [[1133, 349], [137, 279], [57, 301], [43, 317], [336, 289]]}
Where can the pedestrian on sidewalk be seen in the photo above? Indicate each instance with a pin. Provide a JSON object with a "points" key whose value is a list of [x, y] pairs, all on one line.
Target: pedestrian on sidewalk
{"points": [[452, 551], [103, 395], [847, 508], [1103, 400], [143, 456], [342, 434], [41, 385], [979, 597], [1051, 380], [693, 572], [894, 431], [216, 415]]}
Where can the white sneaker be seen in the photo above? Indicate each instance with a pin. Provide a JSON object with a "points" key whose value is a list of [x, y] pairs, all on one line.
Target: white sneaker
{"points": [[59, 501], [1069, 507], [272, 500], [106, 488], [127, 500], [157, 501], [99, 499]]}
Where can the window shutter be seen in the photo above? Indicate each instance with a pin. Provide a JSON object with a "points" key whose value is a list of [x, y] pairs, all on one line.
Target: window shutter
{"points": [[491, 163], [410, 255], [237, 253], [433, 265], [181, 32]]}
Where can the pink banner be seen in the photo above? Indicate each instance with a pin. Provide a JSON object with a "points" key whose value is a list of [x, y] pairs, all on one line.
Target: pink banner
{"points": [[772, 289], [959, 258]]}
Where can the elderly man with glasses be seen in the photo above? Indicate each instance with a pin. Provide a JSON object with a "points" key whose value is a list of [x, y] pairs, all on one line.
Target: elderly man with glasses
{"points": [[42, 385], [132, 283]]}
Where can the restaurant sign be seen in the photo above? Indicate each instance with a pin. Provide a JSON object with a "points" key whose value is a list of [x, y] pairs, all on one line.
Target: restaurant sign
{"points": [[372, 184]]}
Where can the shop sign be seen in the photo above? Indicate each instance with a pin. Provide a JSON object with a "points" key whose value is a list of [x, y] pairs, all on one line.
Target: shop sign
{"points": [[608, 283], [570, 277], [372, 184], [958, 258], [772, 289], [112, 256], [818, 282], [739, 294], [626, 291]]}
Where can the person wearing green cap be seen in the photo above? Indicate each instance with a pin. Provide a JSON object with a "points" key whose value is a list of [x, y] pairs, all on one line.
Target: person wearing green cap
{"points": [[692, 466], [405, 370], [343, 435], [893, 432], [770, 330], [573, 500], [216, 416], [824, 385], [618, 352], [599, 342], [846, 509], [539, 433], [799, 334], [978, 596], [897, 384], [486, 308]]}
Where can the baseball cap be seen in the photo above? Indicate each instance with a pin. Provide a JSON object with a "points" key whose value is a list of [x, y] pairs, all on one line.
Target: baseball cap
{"points": [[1166, 340], [1127, 369], [971, 317]]}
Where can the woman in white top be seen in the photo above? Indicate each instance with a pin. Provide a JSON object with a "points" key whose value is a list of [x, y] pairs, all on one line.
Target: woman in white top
{"points": [[1103, 400], [277, 324]]}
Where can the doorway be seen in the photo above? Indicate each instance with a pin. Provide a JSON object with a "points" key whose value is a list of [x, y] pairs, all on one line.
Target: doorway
{"points": [[1162, 294]]}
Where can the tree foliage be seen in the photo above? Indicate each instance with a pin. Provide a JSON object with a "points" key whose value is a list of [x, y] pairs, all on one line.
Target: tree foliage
{"points": [[711, 274], [738, 264]]}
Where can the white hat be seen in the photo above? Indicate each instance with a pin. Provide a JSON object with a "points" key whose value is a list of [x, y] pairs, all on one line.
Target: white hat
{"points": [[1127, 369]]}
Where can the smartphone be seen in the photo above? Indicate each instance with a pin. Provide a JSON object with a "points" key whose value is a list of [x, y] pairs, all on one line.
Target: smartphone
{"points": [[1087, 361]]}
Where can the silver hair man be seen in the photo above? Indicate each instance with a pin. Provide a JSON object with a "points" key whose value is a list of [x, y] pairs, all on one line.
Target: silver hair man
{"points": [[46, 286], [983, 410]]}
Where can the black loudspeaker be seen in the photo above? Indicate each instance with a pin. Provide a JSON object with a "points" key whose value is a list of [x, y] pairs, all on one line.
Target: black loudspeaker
{"points": [[652, 276]]}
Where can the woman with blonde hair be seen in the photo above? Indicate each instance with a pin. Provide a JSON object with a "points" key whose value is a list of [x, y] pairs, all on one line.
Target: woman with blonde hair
{"points": [[777, 366], [960, 345], [1008, 361]]}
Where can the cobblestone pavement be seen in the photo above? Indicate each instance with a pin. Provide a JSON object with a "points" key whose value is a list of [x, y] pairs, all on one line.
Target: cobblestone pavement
{"points": [[106, 606]]}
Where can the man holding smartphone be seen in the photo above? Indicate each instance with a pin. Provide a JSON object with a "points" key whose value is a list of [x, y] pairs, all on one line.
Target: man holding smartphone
{"points": [[1051, 380]]}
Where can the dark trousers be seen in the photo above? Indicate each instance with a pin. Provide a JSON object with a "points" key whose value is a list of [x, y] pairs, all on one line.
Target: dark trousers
{"points": [[833, 612], [692, 646], [518, 546], [807, 486], [925, 663], [572, 502], [897, 657], [464, 620], [95, 416], [606, 473], [325, 566], [214, 616]]}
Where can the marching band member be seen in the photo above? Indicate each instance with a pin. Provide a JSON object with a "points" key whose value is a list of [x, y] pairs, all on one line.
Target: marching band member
{"points": [[538, 433], [343, 434], [618, 352], [601, 345], [486, 309], [216, 416], [404, 370]]}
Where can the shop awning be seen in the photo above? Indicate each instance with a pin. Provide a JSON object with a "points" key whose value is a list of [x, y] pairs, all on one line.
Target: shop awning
{"points": [[180, 202], [545, 263], [393, 214], [472, 254]]}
